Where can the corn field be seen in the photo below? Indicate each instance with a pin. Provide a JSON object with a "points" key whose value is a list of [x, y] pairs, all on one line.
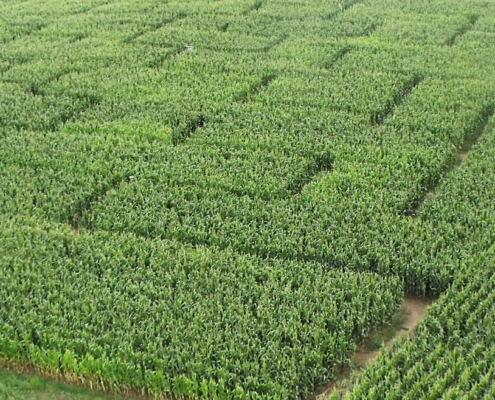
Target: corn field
{"points": [[222, 199]]}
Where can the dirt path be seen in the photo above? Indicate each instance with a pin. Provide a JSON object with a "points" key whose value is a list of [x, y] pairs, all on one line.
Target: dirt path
{"points": [[412, 312], [463, 156]]}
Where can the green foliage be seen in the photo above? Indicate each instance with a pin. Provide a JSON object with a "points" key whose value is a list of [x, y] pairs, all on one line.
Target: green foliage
{"points": [[222, 198], [161, 316], [452, 351]]}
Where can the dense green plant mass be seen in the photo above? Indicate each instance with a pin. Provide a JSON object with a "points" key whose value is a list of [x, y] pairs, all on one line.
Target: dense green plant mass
{"points": [[222, 198], [451, 354], [157, 314]]}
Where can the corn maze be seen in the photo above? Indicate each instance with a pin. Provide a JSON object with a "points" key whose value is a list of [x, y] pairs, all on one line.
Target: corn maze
{"points": [[221, 199]]}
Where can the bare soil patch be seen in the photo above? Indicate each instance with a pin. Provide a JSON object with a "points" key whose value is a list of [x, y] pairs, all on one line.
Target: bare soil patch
{"points": [[411, 313], [463, 156], [75, 229]]}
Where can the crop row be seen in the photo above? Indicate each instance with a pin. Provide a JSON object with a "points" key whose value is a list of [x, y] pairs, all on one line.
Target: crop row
{"points": [[252, 209], [451, 353], [453, 350], [127, 313], [224, 188], [245, 212]]}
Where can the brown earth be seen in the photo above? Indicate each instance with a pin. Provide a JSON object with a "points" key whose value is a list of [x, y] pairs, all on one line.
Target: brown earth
{"points": [[412, 312], [463, 156]]}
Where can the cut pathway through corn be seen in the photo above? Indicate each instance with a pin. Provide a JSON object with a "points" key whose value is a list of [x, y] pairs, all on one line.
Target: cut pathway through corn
{"points": [[411, 313]]}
